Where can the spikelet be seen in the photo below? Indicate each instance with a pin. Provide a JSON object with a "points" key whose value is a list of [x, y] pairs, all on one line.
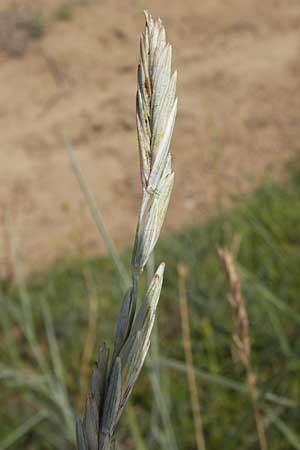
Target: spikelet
{"points": [[155, 118]]}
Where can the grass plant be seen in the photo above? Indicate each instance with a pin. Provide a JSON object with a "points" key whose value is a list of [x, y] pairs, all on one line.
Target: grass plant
{"points": [[113, 378], [26, 367], [47, 330], [64, 12]]}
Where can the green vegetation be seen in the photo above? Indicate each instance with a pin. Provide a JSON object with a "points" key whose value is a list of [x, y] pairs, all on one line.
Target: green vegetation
{"points": [[65, 11], [267, 227], [35, 26]]}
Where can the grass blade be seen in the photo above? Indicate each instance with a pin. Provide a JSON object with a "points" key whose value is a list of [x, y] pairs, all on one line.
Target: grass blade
{"points": [[23, 429], [98, 219]]}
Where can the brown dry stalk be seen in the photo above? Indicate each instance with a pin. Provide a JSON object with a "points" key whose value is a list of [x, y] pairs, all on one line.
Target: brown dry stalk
{"points": [[187, 345], [241, 337]]}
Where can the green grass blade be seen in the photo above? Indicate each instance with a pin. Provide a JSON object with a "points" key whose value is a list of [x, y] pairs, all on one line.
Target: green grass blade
{"points": [[284, 429], [23, 429], [266, 294], [227, 383], [58, 386], [98, 219], [133, 424], [26, 320]]}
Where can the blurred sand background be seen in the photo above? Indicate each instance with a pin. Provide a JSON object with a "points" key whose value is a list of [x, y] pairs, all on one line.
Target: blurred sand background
{"points": [[239, 110]]}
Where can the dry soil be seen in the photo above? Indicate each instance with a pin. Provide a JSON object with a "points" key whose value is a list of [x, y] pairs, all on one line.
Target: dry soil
{"points": [[239, 106]]}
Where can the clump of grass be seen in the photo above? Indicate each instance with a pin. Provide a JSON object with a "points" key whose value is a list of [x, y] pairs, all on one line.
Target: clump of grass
{"points": [[113, 378], [64, 11], [17, 29], [35, 26], [32, 370]]}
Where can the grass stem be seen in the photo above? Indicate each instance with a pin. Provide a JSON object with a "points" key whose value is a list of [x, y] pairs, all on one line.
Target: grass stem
{"points": [[242, 338]]}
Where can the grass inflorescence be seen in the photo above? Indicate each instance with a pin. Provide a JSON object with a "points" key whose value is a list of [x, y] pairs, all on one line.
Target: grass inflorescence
{"points": [[114, 376]]}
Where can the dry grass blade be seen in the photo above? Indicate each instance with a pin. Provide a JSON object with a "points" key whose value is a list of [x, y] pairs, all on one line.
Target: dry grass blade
{"points": [[241, 337], [113, 380], [182, 273]]}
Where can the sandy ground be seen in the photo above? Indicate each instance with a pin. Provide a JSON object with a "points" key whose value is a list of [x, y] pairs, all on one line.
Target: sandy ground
{"points": [[239, 109]]}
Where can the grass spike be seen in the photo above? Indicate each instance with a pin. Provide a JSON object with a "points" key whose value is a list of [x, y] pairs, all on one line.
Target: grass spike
{"points": [[156, 107]]}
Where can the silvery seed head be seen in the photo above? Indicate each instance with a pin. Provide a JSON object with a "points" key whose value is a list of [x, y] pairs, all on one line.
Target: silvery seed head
{"points": [[113, 378], [155, 117]]}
